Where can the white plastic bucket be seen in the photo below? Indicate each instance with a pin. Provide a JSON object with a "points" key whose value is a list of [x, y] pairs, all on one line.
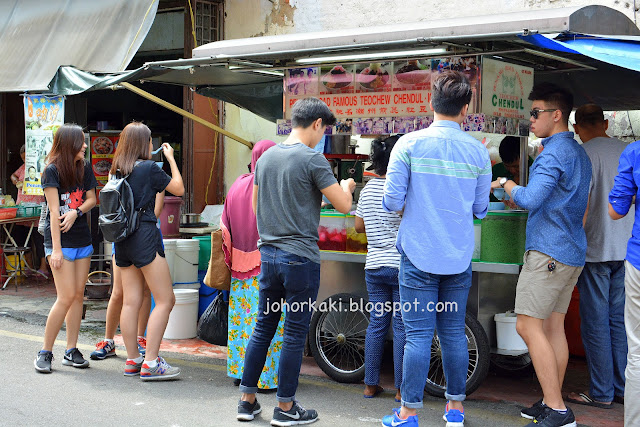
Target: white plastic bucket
{"points": [[170, 255], [183, 320], [506, 335], [185, 267], [194, 285]]}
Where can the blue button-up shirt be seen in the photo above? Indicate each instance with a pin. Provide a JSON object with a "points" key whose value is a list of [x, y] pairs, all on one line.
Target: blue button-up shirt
{"points": [[557, 197], [441, 177], [621, 196]]}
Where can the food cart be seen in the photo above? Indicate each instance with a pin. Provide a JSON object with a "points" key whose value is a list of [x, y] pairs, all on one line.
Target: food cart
{"points": [[360, 71]]}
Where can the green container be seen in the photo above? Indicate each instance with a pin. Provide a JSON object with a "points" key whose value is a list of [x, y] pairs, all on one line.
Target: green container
{"points": [[503, 237], [21, 212], [205, 251]]}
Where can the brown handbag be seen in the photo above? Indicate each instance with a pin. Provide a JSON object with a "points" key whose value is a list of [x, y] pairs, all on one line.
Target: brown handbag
{"points": [[218, 274]]}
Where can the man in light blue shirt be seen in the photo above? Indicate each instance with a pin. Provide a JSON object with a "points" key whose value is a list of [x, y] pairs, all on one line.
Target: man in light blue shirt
{"points": [[556, 247], [440, 177]]}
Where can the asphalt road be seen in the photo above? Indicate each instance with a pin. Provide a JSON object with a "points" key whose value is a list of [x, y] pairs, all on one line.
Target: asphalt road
{"points": [[203, 396]]}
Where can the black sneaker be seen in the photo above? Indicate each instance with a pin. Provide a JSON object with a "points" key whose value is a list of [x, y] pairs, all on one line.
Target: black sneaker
{"points": [[43, 362], [73, 357], [247, 411], [534, 411], [294, 416], [551, 418]]}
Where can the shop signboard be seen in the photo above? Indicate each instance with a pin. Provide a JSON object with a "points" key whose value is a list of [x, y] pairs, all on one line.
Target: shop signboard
{"points": [[505, 89], [43, 115], [103, 148], [368, 96]]}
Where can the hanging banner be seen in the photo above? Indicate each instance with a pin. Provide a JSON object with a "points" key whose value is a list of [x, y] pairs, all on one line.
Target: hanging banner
{"points": [[43, 115], [377, 89], [505, 89]]}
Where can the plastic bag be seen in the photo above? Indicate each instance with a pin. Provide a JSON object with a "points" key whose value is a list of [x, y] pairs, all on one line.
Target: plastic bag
{"points": [[213, 326]]}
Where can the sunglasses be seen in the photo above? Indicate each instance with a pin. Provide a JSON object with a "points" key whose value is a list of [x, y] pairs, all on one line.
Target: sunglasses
{"points": [[535, 113]]}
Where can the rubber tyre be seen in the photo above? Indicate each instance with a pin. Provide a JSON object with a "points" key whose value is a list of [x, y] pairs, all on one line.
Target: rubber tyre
{"points": [[479, 359], [510, 366], [337, 337]]}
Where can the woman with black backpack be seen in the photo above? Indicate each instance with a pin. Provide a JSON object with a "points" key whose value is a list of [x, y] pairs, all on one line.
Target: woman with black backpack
{"points": [[69, 188], [140, 256]]}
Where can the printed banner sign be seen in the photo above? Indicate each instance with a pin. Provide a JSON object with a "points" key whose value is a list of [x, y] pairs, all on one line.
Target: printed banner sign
{"points": [[505, 89], [43, 115], [377, 89]]}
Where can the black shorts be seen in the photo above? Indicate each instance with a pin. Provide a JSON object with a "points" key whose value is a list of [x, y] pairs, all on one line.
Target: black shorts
{"points": [[141, 247]]}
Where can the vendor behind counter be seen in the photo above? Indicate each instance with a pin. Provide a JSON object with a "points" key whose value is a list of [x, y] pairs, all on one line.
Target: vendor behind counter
{"points": [[510, 167]]}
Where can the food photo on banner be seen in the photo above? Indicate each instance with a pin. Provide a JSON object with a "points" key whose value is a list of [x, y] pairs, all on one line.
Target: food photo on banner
{"points": [[43, 115]]}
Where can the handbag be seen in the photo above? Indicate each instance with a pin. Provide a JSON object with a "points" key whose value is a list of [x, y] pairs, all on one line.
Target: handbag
{"points": [[218, 273], [44, 218]]}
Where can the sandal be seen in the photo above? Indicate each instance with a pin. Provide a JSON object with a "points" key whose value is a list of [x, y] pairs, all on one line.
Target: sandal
{"points": [[375, 393], [587, 400]]}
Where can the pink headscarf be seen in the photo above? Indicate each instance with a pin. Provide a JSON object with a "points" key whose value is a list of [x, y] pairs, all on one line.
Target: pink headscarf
{"points": [[238, 222]]}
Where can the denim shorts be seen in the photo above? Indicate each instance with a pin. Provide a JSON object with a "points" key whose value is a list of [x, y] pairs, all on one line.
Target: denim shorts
{"points": [[72, 254]]}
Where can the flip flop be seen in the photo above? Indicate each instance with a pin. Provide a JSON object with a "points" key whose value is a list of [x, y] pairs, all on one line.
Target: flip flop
{"points": [[587, 400], [377, 392]]}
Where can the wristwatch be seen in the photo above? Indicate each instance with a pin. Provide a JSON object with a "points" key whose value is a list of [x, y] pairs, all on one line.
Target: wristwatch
{"points": [[502, 182], [80, 213]]}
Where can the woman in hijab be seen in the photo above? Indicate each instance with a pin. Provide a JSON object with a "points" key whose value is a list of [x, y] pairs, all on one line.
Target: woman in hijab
{"points": [[240, 245]]}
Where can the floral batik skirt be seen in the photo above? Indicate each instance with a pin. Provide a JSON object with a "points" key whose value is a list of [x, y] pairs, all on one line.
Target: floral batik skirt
{"points": [[243, 314]]}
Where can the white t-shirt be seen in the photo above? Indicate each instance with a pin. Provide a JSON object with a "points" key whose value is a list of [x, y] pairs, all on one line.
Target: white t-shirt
{"points": [[381, 226]]}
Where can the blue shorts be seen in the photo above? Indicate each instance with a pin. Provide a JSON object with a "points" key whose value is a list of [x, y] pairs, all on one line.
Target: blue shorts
{"points": [[72, 254]]}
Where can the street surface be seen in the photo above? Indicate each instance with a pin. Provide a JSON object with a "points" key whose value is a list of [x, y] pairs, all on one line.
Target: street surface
{"points": [[203, 396]]}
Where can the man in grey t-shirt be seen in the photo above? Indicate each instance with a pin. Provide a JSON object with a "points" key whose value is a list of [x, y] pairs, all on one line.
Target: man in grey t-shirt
{"points": [[601, 283], [290, 180]]}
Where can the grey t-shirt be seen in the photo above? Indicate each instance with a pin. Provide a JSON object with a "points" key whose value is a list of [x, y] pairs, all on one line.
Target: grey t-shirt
{"points": [[289, 178], [606, 238]]}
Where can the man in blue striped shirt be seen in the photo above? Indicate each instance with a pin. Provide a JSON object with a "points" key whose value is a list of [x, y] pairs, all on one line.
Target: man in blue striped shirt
{"points": [[440, 177]]}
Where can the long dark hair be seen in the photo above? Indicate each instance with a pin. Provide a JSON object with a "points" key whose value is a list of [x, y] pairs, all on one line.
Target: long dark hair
{"points": [[380, 151], [67, 142], [133, 145]]}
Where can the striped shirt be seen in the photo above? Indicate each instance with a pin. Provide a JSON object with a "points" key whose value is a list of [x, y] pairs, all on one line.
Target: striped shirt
{"points": [[381, 227], [441, 177]]}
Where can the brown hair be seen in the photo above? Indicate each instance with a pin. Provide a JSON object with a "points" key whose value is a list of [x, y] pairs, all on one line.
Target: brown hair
{"points": [[133, 145], [67, 142], [589, 115], [451, 92]]}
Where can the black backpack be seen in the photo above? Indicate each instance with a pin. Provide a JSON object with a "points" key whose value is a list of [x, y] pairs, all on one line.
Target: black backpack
{"points": [[118, 218]]}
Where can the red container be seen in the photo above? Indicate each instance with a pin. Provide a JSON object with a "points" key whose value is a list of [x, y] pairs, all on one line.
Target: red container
{"points": [[8, 213], [170, 217], [572, 325]]}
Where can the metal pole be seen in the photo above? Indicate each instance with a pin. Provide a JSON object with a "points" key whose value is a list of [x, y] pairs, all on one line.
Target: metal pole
{"points": [[524, 160], [184, 113]]}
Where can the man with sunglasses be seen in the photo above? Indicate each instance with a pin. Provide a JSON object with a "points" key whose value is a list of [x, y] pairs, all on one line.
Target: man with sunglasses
{"points": [[556, 198]]}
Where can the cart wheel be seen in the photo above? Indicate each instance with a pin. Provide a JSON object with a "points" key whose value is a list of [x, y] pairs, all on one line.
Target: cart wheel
{"points": [[337, 337], [479, 355], [511, 365]]}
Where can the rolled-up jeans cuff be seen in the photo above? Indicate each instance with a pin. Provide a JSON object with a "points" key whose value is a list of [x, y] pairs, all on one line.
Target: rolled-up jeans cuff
{"points": [[285, 399], [248, 390], [456, 397], [411, 405]]}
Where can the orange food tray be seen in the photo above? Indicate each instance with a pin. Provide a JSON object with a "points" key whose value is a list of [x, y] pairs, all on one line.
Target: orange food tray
{"points": [[8, 213]]}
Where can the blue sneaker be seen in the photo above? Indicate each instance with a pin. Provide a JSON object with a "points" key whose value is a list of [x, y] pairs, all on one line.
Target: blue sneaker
{"points": [[453, 417], [395, 420], [103, 350]]}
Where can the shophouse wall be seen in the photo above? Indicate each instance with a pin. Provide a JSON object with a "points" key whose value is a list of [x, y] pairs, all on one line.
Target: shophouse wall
{"points": [[254, 18]]}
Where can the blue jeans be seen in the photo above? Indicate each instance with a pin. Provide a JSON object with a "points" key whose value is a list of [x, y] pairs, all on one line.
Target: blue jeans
{"points": [[382, 286], [437, 302], [294, 279], [601, 287]]}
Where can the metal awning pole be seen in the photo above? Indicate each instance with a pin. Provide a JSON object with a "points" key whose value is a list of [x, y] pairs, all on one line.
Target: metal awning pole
{"points": [[184, 113]]}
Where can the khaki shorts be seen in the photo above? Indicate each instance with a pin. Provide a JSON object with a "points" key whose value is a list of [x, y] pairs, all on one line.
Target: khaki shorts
{"points": [[541, 292]]}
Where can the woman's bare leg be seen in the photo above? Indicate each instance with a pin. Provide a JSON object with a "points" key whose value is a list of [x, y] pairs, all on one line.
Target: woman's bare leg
{"points": [[74, 315], [63, 279], [157, 277], [145, 311], [115, 303], [132, 300]]}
